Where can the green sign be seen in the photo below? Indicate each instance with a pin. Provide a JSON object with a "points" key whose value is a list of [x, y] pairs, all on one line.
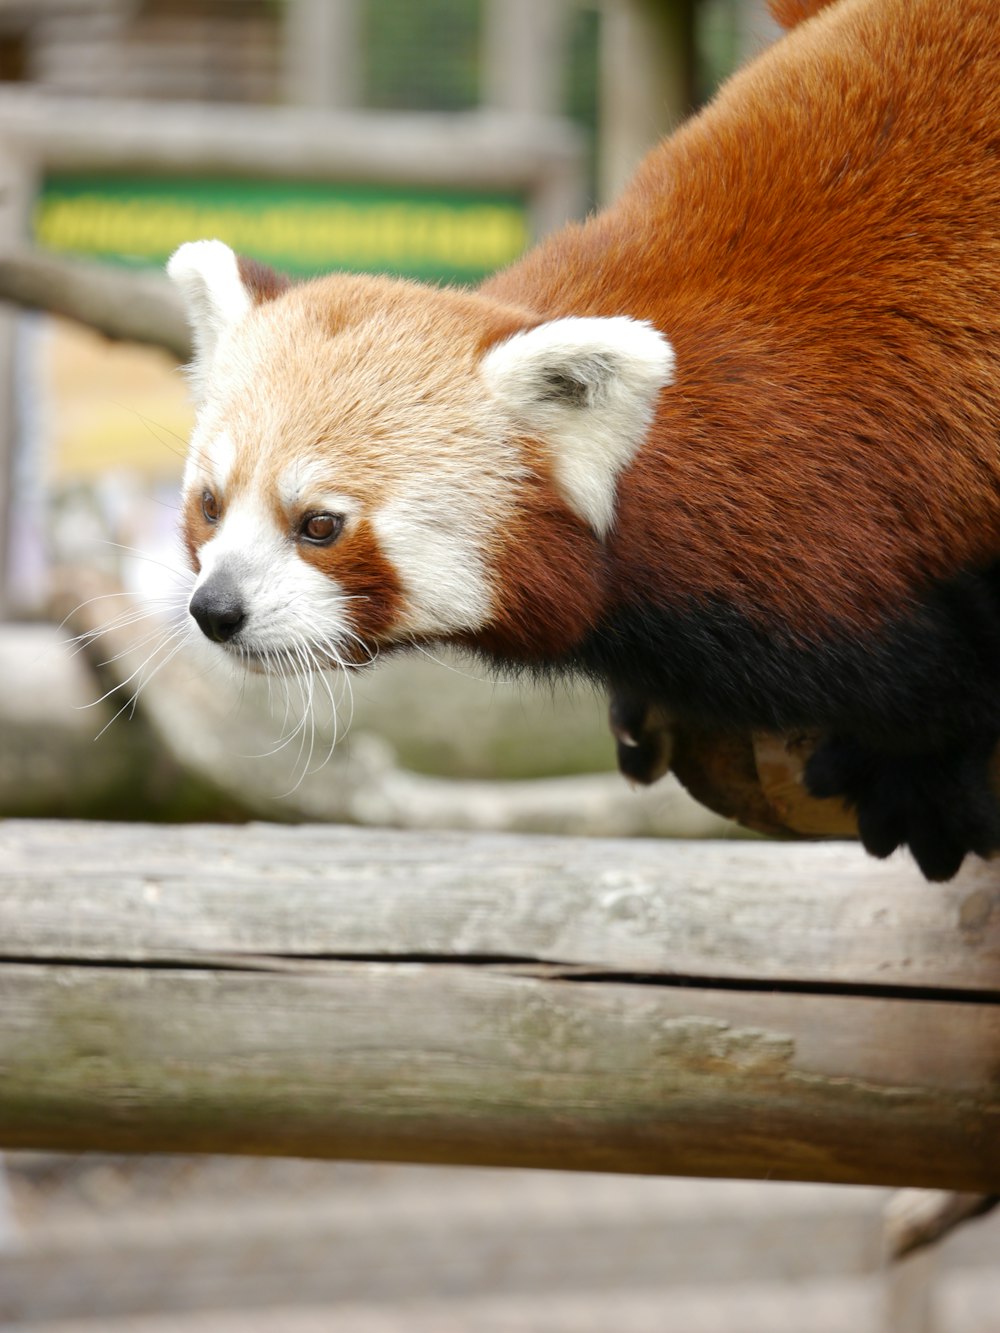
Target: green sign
{"points": [[302, 227]]}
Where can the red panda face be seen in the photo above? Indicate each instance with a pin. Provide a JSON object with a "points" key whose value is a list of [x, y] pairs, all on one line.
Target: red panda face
{"points": [[370, 458]]}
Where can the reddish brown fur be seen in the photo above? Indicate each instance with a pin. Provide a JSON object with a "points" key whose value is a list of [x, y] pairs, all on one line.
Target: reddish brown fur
{"points": [[546, 606], [362, 571], [809, 533], [790, 12], [821, 248], [194, 527], [261, 282]]}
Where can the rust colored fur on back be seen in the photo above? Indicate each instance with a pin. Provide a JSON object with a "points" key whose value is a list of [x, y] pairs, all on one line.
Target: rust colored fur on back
{"points": [[822, 246], [817, 504]]}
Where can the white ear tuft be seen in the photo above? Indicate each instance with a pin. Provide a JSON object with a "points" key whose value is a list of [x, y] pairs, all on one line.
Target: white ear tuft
{"points": [[208, 275], [587, 388]]}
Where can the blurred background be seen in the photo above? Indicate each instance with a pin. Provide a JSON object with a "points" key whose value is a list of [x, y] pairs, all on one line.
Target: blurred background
{"points": [[436, 139]]}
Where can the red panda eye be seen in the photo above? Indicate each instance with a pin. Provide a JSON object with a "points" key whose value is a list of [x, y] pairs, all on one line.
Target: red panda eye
{"points": [[321, 529], [209, 506]]}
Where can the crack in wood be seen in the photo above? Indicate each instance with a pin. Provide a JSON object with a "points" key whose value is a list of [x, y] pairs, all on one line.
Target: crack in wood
{"points": [[540, 969]]}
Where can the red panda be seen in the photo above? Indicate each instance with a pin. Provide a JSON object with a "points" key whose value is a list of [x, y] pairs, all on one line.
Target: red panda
{"points": [[730, 447]]}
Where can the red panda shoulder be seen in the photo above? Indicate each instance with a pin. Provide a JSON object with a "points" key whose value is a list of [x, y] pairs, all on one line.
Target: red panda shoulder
{"points": [[836, 387]]}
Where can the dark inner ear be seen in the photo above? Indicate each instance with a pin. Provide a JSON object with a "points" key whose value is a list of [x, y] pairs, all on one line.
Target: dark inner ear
{"points": [[262, 283], [559, 387], [576, 385]]}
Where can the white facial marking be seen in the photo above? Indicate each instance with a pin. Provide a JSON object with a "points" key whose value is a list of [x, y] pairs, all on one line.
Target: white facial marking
{"points": [[587, 388], [288, 603], [209, 461], [220, 455], [306, 481], [443, 573]]}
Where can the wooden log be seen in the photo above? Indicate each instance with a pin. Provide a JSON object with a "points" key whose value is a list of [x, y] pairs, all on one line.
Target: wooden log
{"points": [[537, 155], [134, 307], [710, 1009]]}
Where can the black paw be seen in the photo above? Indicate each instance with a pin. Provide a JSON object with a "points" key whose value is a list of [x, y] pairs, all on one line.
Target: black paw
{"points": [[644, 738], [941, 805]]}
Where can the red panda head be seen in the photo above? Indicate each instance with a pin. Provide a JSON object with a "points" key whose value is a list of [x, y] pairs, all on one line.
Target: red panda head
{"points": [[377, 463]]}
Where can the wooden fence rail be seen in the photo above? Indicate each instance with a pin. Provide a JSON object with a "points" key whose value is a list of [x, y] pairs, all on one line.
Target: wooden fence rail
{"points": [[744, 1009]]}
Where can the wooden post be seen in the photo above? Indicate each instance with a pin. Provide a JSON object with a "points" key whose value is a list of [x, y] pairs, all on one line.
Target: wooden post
{"points": [[716, 1010], [322, 53], [523, 64], [524, 56], [909, 1296], [16, 192], [645, 81]]}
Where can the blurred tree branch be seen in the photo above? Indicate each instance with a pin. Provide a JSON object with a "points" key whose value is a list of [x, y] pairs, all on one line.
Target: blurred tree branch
{"points": [[129, 306]]}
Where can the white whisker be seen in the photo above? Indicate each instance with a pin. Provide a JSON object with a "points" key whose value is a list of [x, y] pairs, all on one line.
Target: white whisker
{"points": [[129, 705], [120, 685], [137, 553], [457, 670]]}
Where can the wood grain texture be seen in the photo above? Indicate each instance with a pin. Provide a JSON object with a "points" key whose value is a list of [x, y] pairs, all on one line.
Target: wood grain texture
{"points": [[763, 913], [713, 1009]]}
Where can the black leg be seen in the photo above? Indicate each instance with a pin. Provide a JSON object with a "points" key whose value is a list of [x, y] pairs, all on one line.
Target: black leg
{"points": [[940, 804], [644, 738]]}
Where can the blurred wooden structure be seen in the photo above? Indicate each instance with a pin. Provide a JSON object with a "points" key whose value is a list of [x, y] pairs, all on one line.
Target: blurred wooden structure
{"points": [[706, 1009], [255, 1245], [206, 52]]}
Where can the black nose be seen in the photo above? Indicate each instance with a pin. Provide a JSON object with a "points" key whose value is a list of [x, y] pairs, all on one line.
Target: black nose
{"points": [[216, 607]]}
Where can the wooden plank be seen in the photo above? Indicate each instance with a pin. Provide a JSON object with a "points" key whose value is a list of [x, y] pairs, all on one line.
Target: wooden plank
{"points": [[430, 148], [416, 1062], [322, 54], [714, 1010], [592, 1307], [815, 915], [404, 1233]]}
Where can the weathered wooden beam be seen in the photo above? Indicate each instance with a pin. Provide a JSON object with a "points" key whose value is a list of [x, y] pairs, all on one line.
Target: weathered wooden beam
{"points": [[711, 1009], [322, 53], [135, 307], [538, 155]]}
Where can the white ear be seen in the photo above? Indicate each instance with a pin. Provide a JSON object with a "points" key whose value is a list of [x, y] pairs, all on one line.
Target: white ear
{"points": [[208, 275], [587, 388]]}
